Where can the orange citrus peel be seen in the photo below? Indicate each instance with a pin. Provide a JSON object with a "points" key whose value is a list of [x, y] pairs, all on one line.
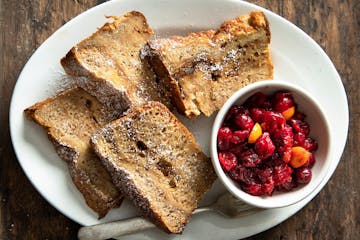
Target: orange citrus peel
{"points": [[288, 113], [299, 156], [255, 133]]}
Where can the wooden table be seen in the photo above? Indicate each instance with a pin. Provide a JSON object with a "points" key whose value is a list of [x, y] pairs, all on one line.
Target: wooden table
{"points": [[333, 214]]}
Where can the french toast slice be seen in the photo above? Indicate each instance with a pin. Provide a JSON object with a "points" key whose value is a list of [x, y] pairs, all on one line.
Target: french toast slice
{"points": [[157, 163], [202, 70], [108, 66], [70, 118]]}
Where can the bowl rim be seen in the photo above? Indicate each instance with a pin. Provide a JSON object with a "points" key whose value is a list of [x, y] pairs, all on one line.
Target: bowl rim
{"points": [[259, 201]]}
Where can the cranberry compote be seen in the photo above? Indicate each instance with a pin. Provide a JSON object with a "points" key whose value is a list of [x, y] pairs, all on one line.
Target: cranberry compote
{"points": [[264, 145]]}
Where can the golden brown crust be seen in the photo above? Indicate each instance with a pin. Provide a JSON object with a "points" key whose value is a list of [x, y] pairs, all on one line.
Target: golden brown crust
{"points": [[164, 177], [94, 198], [168, 84], [203, 69], [107, 64], [54, 114]]}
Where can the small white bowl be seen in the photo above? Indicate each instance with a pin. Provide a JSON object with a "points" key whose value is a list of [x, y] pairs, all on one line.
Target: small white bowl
{"points": [[319, 131]]}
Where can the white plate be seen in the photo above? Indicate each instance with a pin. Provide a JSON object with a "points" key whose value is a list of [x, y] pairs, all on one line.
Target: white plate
{"points": [[297, 58]]}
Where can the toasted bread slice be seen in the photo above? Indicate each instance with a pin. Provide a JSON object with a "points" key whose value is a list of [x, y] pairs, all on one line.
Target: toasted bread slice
{"points": [[202, 70], [70, 118], [157, 163], [108, 66]]}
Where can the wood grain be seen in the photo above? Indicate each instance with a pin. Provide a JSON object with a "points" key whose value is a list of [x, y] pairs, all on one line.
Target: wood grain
{"points": [[334, 24]]}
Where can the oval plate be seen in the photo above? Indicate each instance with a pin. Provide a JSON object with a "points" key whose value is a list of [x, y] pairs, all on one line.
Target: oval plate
{"points": [[297, 58]]}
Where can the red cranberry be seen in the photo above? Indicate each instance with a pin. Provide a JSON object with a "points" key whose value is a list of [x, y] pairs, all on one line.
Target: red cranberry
{"points": [[299, 139], [281, 174], [223, 138], [249, 158], [299, 116], [257, 114], [311, 161], [281, 156], [244, 121], [272, 121], [258, 100], [238, 149], [300, 126], [264, 147], [303, 175], [282, 101], [254, 189], [285, 154], [239, 136], [283, 136], [288, 185], [233, 111], [310, 144], [274, 160], [242, 174], [268, 187], [227, 160], [265, 175]]}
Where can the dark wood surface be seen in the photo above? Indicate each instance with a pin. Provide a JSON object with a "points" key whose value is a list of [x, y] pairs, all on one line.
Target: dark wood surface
{"points": [[334, 24]]}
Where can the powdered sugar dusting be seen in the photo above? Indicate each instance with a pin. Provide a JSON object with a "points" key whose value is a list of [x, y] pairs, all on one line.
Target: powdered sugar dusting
{"points": [[208, 67], [216, 67], [201, 57], [158, 158], [145, 52], [231, 55], [60, 82]]}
